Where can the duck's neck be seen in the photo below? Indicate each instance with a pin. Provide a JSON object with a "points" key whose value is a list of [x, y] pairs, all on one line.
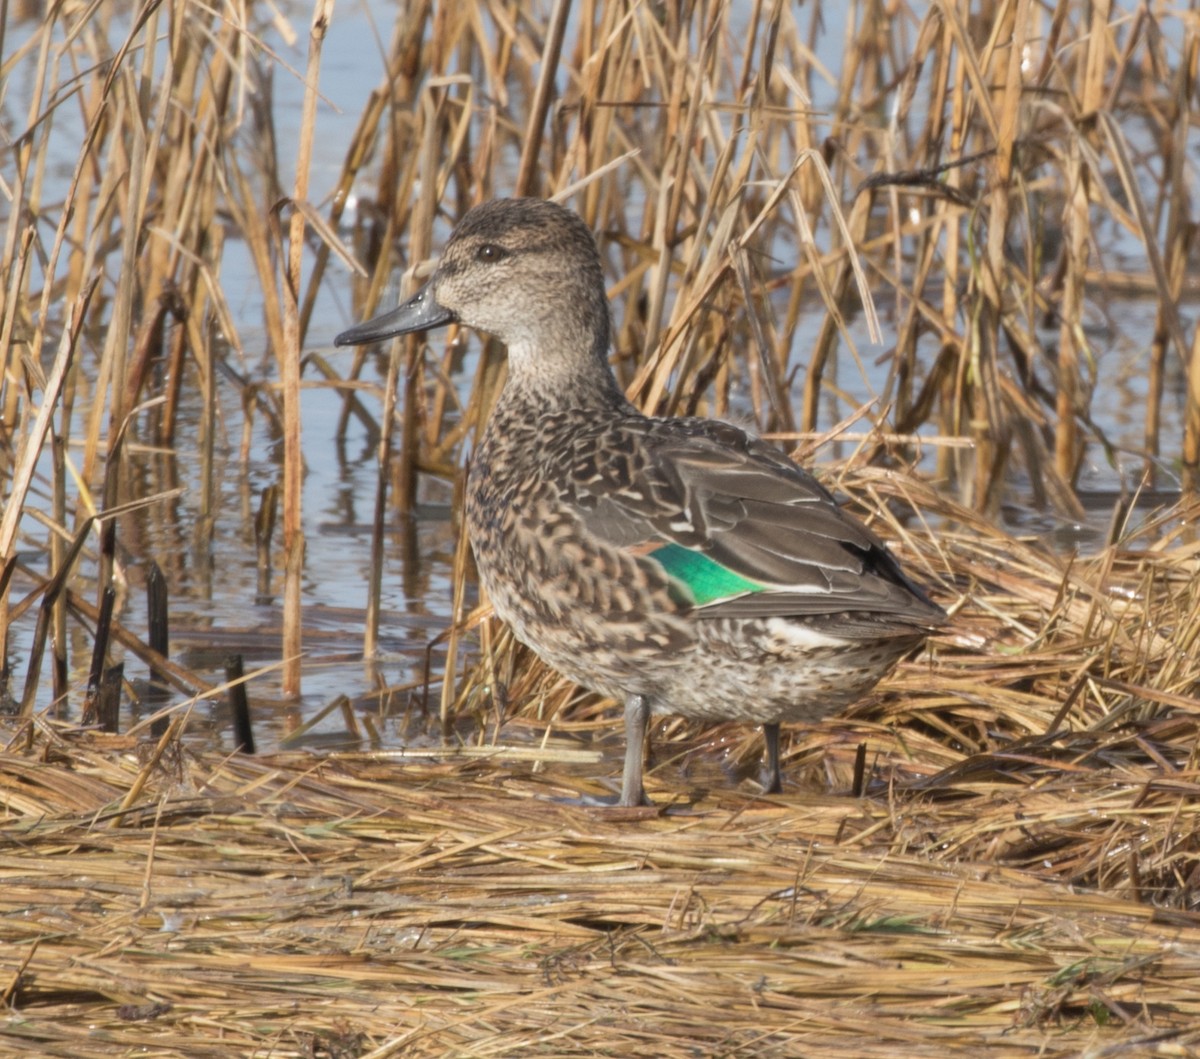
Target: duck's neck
{"points": [[573, 373]]}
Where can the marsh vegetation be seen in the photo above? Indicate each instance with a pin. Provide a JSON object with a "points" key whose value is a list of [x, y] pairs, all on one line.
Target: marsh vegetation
{"points": [[945, 254]]}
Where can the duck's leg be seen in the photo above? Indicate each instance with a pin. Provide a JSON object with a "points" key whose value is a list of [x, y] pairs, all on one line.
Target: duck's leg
{"points": [[774, 779], [637, 716]]}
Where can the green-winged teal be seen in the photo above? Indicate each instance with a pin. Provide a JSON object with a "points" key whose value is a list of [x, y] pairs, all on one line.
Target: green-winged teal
{"points": [[677, 565]]}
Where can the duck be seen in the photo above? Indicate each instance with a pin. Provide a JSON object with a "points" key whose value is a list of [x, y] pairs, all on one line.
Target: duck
{"points": [[679, 565]]}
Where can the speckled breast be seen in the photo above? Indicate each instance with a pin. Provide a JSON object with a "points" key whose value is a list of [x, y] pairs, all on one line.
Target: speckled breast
{"points": [[602, 617]]}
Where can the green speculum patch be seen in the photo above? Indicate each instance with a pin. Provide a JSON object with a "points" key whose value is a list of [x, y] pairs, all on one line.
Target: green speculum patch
{"points": [[706, 579]]}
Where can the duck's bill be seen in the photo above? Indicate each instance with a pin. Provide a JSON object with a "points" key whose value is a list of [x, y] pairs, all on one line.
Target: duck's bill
{"points": [[420, 313]]}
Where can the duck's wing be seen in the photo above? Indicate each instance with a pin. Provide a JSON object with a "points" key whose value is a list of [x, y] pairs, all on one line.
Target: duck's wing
{"points": [[740, 528]]}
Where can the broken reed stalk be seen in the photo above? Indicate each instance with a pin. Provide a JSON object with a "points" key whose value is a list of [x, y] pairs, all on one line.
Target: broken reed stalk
{"points": [[239, 704], [36, 433], [58, 630], [1071, 348], [1181, 235], [53, 592], [289, 367], [526, 183], [158, 638], [99, 653], [379, 521], [108, 698], [992, 437]]}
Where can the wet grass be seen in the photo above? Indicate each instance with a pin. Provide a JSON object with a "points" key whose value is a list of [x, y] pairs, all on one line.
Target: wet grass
{"points": [[904, 266]]}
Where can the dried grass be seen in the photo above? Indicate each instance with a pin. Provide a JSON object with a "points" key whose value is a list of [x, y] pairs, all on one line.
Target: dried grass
{"points": [[352, 905]]}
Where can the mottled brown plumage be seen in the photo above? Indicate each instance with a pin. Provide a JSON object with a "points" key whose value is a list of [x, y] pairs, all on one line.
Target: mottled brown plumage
{"points": [[678, 565]]}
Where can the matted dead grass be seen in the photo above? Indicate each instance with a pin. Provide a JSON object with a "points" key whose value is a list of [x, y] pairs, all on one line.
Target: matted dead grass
{"points": [[353, 906]]}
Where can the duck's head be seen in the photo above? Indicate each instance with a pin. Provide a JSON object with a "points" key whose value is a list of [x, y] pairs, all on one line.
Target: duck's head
{"points": [[524, 270]]}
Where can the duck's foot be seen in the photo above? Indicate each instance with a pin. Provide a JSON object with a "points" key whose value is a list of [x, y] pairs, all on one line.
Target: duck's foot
{"points": [[612, 801], [600, 801]]}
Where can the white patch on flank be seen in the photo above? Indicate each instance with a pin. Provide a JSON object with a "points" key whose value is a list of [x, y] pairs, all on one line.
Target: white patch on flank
{"points": [[797, 634]]}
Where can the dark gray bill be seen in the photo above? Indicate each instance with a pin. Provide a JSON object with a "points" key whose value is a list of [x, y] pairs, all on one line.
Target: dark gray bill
{"points": [[420, 313]]}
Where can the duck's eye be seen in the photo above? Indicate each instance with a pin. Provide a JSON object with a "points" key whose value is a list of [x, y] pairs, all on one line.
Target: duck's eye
{"points": [[490, 252]]}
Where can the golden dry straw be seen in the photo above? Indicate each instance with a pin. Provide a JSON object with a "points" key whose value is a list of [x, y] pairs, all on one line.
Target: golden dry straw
{"points": [[296, 906]]}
